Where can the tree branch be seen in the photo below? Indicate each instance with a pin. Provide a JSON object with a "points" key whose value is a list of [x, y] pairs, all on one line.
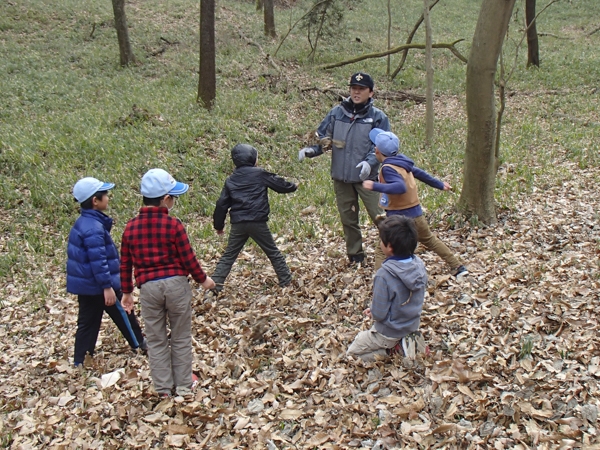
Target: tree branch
{"points": [[410, 38], [400, 96], [593, 31], [450, 46]]}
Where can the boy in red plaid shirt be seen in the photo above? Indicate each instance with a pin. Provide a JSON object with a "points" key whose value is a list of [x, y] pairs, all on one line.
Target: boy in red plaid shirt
{"points": [[156, 246]]}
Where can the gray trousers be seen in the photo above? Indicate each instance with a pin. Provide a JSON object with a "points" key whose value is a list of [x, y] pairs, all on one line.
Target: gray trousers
{"points": [[170, 359], [370, 343], [346, 196], [261, 234]]}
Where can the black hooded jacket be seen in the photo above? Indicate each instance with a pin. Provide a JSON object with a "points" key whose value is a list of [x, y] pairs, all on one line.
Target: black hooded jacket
{"points": [[245, 194]]}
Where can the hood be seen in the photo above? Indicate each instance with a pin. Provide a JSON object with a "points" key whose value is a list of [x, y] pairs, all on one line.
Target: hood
{"points": [[412, 274], [354, 109], [244, 155], [400, 160]]}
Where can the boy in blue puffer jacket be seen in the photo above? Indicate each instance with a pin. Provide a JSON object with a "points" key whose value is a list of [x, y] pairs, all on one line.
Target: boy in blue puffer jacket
{"points": [[93, 271]]}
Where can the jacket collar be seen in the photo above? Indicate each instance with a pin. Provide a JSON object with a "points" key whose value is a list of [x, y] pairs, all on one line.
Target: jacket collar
{"points": [[106, 221]]}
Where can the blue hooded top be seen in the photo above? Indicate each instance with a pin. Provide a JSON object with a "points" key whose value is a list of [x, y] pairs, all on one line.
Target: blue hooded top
{"points": [[394, 183]]}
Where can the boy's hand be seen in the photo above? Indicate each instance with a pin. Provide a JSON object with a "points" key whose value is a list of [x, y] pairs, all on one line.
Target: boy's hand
{"points": [[367, 312], [110, 298], [447, 187], [368, 185], [208, 283], [127, 302], [220, 231]]}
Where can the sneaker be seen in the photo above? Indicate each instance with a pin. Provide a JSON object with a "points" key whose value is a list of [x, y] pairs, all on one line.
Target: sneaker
{"points": [[183, 391], [460, 272], [144, 346], [356, 259], [412, 344], [395, 350]]}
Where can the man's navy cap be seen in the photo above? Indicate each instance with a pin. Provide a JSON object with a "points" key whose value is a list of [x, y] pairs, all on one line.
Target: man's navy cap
{"points": [[362, 79]]}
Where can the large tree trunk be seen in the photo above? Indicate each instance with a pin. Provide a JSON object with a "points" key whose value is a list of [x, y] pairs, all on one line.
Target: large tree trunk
{"points": [[269, 18], [207, 82], [477, 196], [126, 54], [533, 49]]}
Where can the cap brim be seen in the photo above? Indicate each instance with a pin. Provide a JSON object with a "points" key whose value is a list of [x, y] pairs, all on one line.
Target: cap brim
{"points": [[179, 188], [106, 186], [374, 133]]}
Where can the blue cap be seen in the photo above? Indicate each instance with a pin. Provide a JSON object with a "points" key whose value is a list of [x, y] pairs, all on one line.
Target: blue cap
{"points": [[157, 183], [86, 187], [386, 142]]}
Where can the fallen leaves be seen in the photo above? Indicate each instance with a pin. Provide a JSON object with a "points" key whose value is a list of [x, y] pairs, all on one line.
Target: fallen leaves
{"points": [[513, 356]]}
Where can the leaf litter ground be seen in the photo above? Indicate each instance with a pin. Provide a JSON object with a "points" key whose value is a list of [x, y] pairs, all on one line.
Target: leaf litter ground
{"points": [[513, 355]]}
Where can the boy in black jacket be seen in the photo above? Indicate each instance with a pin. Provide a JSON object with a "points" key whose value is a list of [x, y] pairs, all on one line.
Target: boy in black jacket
{"points": [[245, 196]]}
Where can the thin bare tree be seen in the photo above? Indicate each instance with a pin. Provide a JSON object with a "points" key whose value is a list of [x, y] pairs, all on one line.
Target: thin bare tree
{"points": [[269, 12], [207, 82], [125, 52]]}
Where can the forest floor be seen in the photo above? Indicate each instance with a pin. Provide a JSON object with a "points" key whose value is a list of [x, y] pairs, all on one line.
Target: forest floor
{"points": [[513, 350]]}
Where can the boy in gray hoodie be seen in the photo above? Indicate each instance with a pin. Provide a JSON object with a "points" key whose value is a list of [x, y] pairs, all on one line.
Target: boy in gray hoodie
{"points": [[398, 293]]}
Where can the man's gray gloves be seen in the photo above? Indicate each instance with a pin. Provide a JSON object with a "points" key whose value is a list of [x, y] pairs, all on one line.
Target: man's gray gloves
{"points": [[365, 170], [306, 151]]}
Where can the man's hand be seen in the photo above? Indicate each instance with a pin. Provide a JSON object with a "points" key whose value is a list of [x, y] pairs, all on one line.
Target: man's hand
{"points": [[368, 185], [110, 298], [367, 312], [208, 283], [365, 169], [447, 187], [127, 302], [306, 151]]}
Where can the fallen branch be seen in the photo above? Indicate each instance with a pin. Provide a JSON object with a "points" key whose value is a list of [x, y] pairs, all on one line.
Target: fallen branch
{"points": [[554, 36], [400, 96], [583, 122], [450, 47], [267, 57], [593, 31]]}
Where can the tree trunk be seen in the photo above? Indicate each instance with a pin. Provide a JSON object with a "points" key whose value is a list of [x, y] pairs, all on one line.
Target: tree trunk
{"points": [[429, 113], [126, 54], [389, 36], [477, 196], [269, 19], [207, 82], [533, 50]]}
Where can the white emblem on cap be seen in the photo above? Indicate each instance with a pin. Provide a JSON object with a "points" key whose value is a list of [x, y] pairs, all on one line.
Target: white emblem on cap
{"points": [[358, 77]]}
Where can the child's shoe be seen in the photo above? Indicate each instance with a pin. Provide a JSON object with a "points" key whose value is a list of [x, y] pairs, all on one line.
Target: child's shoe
{"points": [[460, 272], [395, 350], [412, 344]]}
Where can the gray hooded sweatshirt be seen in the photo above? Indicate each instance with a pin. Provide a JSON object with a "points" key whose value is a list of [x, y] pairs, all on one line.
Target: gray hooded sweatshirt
{"points": [[398, 293]]}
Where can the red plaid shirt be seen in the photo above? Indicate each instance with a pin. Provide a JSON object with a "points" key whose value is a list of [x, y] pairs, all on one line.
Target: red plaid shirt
{"points": [[156, 245]]}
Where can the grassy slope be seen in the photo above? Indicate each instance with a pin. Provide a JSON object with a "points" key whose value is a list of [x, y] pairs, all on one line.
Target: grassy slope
{"points": [[63, 95]]}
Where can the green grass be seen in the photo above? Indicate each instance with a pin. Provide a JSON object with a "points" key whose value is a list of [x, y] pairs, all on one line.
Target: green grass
{"points": [[64, 97]]}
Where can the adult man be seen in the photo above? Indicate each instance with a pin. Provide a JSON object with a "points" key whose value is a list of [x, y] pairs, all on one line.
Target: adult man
{"points": [[345, 131]]}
